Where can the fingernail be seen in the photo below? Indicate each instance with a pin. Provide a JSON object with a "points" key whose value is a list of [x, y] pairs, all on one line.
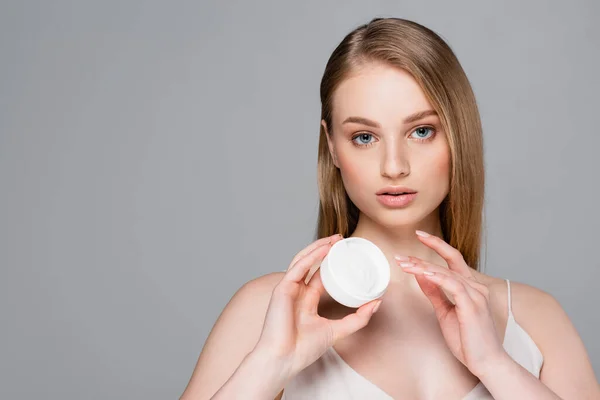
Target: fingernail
{"points": [[422, 234], [376, 307], [401, 258], [429, 273], [407, 264]]}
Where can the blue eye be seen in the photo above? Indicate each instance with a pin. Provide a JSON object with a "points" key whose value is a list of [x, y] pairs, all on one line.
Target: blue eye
{"points": [[422, 133], [361, 136]]}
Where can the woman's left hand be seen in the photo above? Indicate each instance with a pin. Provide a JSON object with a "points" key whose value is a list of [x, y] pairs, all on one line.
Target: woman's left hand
{"points": [[467, 325]]}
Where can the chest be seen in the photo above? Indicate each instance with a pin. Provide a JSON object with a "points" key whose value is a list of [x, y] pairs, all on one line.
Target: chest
{"points": [[419, 367]]}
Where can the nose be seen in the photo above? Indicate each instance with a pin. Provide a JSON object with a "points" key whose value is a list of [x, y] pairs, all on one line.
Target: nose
{"points": [[395, 161]]}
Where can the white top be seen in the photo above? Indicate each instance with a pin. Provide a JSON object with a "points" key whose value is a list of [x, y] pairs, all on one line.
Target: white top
{"points": [[330, 377]]}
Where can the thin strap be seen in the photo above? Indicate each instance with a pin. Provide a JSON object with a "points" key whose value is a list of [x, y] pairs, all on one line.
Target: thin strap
{"points": [[510, 314]]}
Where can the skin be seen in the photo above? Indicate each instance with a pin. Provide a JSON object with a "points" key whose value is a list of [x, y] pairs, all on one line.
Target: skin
{"points": [[432, 336], [396, 154], [418, 331]]}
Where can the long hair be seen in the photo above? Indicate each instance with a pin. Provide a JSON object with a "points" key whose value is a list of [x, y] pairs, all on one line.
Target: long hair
{"points": [[429, 59]]}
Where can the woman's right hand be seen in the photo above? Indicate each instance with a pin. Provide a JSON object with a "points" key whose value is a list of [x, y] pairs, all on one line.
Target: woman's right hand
{"points": [[293, 333]]}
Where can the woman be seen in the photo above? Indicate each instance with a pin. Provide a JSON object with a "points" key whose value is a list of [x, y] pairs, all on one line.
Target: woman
{"points": [[398, 116]]}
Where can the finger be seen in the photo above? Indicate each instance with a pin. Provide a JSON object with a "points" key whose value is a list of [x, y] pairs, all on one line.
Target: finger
{"points": [[316, 283], [440, 302], [459, 291], [312, 246], [478, 294], [419, 270], [299, 270], [313, 270], [308, 249], [351, 323], [452, 256], [419, 265], [314, 290]]}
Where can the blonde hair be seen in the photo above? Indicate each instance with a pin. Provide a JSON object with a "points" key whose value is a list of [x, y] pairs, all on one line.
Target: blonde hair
{"points": [[428, 58]]}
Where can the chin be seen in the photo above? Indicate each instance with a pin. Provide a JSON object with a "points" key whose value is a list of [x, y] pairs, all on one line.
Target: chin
{"points": [[392, 218]]}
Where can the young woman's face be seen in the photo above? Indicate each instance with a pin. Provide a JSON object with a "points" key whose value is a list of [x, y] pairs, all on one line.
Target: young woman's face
{"points": [[389, 147]]}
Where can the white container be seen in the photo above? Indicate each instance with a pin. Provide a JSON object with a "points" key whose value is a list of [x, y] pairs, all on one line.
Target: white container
{"points": [[355, 271]]}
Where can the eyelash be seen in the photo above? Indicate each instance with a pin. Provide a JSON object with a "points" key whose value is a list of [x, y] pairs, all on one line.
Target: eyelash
{"points": [[432, 129]]}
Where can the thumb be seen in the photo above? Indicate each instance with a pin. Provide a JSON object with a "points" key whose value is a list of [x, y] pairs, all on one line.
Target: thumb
{"points": [[440, 302], [355, 321]]}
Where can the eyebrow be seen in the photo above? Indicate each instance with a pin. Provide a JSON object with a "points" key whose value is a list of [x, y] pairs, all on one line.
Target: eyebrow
{"points": [[411, 118]]}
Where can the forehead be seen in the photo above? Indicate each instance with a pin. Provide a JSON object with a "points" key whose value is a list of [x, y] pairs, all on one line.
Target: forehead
{"points": [[381, 92]]}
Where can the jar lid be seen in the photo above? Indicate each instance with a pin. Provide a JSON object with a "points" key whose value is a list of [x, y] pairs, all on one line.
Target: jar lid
{"points": [[355, 271]]}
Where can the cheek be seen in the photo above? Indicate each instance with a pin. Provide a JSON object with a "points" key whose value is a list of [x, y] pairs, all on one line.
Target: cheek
{"points": [[442, 164], [440, 168], [350, 169], [357, 174]]}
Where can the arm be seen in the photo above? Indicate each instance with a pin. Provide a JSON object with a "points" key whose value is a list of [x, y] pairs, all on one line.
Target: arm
{"points": [[271, 330], [566, 373], [227, 357], [258, 377]]}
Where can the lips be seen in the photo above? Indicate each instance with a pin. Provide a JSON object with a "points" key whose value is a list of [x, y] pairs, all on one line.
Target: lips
{"points": [[396, 200], [395, 190]]}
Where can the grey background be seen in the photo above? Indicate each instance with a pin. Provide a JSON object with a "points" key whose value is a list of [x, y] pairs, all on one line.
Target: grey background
{"points": [[154, 156]]}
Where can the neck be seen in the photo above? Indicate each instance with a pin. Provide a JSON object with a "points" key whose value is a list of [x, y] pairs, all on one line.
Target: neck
{"points": [[401, 240]]}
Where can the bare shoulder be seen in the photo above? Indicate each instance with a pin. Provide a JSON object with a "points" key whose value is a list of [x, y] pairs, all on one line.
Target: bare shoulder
{"points": [[261, 286], [232, 337], [538, 312], [528, 303], [567, 368], [532, 307], [246, 310]]}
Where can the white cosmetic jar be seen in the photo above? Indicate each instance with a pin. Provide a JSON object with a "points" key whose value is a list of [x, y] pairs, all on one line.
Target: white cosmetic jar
{"points": [[355, 271]]}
